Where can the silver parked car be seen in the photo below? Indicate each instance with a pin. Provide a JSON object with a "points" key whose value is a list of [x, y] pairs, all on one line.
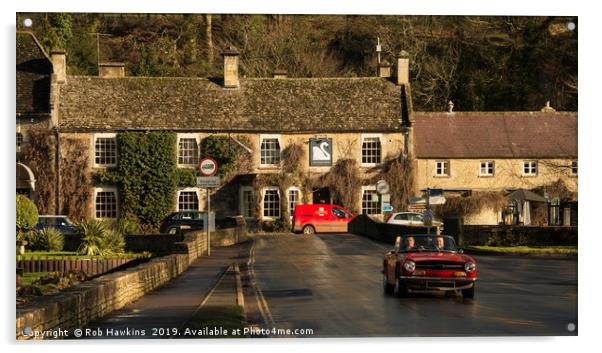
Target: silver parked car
{"points": [[410, 219]]}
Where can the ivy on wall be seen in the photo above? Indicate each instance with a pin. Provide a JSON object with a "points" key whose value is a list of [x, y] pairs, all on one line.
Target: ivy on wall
{"points": [[219, 148], [40, 157], [75, 178], [146, 175]]}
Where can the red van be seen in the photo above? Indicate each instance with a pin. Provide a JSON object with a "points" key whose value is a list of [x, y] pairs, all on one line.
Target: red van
{"points": [[321, 218]]}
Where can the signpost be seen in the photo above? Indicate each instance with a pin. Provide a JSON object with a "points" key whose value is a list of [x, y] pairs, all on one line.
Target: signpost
{"points": [[208, 168]]}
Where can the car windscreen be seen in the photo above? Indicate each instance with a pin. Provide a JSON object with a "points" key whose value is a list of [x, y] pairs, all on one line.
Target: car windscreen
{"points": [[428, 243]]}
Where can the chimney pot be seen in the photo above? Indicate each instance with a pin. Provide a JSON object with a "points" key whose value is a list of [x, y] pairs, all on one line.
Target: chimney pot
{"points": [[58, 57], [111, 70], [548, 108], [231, 55]]}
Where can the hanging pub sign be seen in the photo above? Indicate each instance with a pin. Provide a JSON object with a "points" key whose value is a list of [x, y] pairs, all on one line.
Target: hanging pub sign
{"points": [[320, 152]]}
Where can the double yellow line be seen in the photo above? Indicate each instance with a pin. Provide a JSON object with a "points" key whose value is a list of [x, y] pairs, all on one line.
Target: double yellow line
{"points": [[262, 304]]}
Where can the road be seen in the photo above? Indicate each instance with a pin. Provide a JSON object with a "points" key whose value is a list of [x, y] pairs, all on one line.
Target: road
{"points": [[331, 284]]}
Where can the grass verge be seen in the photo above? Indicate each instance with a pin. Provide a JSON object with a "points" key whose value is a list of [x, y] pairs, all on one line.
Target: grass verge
{"points": [[525, 250]]}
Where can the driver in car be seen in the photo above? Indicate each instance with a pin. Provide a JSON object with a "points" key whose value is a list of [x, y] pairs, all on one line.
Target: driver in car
{"points": [[439, 243], [410, 243]]}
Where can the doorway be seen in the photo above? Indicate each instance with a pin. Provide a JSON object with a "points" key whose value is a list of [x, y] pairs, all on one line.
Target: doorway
{"points": [[321, 195]]}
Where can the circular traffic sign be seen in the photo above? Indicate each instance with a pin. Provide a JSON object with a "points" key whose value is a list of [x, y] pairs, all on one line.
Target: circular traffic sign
{"points": [[208, 166], [382, 187]]}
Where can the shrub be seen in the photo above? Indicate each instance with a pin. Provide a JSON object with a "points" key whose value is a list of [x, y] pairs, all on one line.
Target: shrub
{"points": [[47, 239], [27, 213], [219, 148], [128, 225], [99, 239]]}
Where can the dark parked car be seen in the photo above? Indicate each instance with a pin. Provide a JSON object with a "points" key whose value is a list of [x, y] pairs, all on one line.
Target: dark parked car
{"points": [[61, 223], [176, 221]]}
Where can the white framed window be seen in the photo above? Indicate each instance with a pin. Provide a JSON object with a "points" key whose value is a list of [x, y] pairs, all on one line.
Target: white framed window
{"points": [[271, 203], [529, 168], [19, 138], [370, 200], [188, 199], [371, 149], [105, 150], [188, 150], [487, 168], [574, 168], [247, 201], [442, 168], [269, 147], [294, 198], [106, 204]]}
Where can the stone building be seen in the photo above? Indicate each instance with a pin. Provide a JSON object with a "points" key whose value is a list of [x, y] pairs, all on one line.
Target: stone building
{"points": [[366, 120], [464, 153]]}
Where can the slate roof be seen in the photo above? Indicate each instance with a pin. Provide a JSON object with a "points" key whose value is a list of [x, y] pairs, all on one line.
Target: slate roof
{"points": [[260, 104], [33, 77], [495, 135]]}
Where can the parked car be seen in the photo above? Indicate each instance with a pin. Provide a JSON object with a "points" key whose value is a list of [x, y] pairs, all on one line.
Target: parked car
{"points": [[177, 221], [410, 219], [428, 263], [61, 223], [320, 218]]}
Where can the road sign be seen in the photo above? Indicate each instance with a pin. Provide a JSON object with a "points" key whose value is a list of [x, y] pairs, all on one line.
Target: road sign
{"points": [[382, 187], [208, 166], [207, 181], [388, 208], [427, 218]]}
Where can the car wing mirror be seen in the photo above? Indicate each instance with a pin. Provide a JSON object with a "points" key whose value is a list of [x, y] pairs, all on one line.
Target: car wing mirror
{"points": [[397, 243]]}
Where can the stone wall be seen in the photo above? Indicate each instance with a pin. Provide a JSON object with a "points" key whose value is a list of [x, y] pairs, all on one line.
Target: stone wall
{"points": [[76, 306]]}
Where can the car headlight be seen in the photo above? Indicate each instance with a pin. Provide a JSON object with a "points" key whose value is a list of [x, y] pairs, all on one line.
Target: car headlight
{"points": [[470, 267], [409, 266]]}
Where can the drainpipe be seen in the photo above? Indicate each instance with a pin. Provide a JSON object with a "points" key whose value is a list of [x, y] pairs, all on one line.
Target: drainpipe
{"points": [[57, 161]]}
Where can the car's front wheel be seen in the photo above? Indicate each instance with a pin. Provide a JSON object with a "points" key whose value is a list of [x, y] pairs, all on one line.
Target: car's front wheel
{"points": [[399, 290], [386, 286], [309, 230], [469, 293]]}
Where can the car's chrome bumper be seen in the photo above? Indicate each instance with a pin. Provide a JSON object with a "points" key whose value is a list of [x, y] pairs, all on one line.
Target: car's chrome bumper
{"points": [[437, 283]]}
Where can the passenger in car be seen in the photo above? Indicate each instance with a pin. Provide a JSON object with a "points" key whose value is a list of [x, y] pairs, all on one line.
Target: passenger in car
{"points": [[410, 243]]}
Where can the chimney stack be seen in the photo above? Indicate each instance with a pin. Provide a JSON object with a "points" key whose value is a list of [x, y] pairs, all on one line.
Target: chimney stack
{"points": [[403, 68], [59, 64], [231, 55], [111, 70], [384, 69], [280, 74]]}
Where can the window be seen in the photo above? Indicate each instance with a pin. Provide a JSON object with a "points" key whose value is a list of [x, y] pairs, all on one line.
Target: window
{"points": [[188, 200], [247, 202], [530, 168], [271, 203], [442, 168], [105, 150], [188, 150], [370, 200], [339, 213], [574, 168], [19, 141], [371, 150], [486, 168], [105, 203], [270, 151], [294, 197], [555, 217]]}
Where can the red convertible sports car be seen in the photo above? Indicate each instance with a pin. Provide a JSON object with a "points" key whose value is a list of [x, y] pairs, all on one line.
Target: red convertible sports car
{"points": [[428, 263]]}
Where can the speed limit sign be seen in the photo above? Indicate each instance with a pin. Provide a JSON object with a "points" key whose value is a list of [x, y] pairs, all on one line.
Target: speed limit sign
{"points": [[208, 166]]}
